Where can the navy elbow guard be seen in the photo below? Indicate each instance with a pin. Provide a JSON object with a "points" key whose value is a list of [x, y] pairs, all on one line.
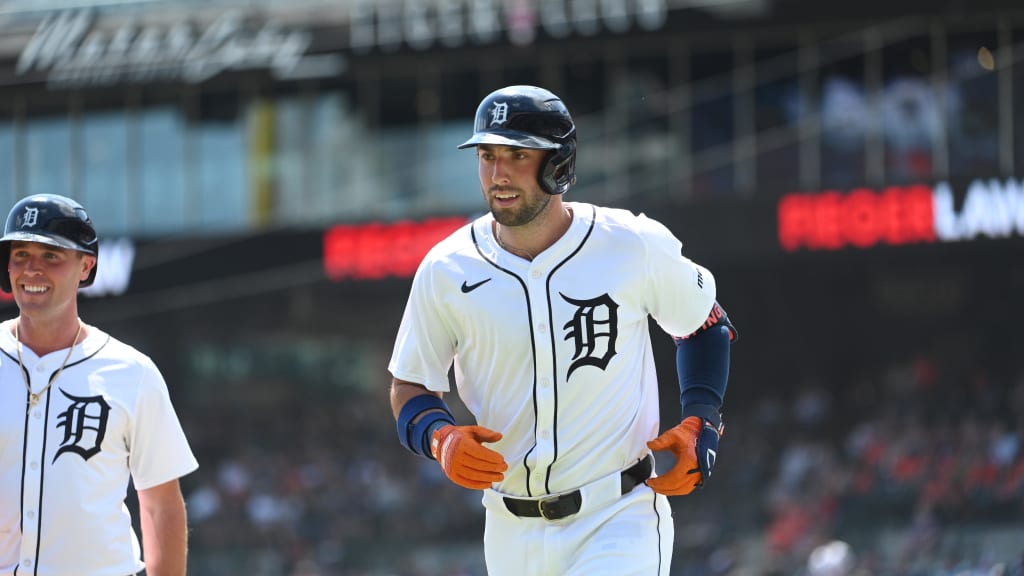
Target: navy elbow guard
{"points": [[415, 434], [702, 364]]}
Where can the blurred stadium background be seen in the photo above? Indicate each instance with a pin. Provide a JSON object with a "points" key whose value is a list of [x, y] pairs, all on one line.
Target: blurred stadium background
{"points": [[265, 176]]}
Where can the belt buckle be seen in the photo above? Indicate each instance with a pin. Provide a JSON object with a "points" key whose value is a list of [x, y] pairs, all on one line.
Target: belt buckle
{"points": [[542, 510]]}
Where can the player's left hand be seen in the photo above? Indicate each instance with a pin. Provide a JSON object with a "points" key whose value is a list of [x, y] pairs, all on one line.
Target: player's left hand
{"points": [[694, 441]]}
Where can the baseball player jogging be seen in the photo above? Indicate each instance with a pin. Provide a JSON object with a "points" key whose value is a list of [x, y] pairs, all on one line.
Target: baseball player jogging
{"points": [[542, 306], [80, 413]]}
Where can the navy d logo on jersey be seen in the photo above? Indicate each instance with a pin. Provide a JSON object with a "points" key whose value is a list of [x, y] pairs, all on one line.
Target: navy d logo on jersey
{"points": [[594, 328], [84, 424]]}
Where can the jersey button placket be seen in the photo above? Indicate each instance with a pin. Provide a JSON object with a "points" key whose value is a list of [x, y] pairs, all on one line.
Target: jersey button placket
{"points": [[545, 392], [32, 472]]}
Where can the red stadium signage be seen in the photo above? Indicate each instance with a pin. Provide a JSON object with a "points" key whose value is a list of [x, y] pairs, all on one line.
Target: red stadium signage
{"points": [[899, 215], [377, 250]]}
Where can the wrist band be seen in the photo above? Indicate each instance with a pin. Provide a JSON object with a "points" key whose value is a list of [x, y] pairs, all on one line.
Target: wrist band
{"points": [[415, 436]]}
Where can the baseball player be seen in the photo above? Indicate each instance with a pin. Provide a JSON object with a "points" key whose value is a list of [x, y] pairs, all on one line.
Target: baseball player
{"points": [[80, 413], [542, 306]]}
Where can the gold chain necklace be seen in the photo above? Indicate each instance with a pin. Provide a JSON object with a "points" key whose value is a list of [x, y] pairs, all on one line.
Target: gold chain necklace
{"points": [[517, 251], [33, 397]]}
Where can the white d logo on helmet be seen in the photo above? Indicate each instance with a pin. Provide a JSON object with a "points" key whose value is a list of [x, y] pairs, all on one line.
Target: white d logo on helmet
{"points": [[31, 214], [499, 114]]}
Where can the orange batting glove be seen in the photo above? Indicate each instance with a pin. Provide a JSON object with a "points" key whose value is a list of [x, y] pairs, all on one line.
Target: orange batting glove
{"points": [[694, 441], [464, 459]]}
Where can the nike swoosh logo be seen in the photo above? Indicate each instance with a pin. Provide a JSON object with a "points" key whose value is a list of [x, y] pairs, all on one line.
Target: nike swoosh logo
{"points": [[467, 288]]}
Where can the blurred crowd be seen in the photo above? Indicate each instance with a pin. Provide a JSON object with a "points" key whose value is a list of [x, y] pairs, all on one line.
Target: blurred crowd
{"points": [[317, 487], [916, 469], [916, 466]]}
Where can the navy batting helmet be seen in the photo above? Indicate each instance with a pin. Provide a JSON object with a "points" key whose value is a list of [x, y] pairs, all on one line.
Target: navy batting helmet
{"points": [[530, 117], [48, 219]]}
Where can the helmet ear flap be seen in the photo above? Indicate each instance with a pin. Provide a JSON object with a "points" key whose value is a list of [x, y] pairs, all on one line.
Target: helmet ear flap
{"points": [[92, 273], [558, 172]]}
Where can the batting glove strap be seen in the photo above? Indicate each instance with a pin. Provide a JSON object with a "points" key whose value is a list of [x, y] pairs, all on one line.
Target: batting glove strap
{"points": [[415, 434], [425, 428], [707, 450]]}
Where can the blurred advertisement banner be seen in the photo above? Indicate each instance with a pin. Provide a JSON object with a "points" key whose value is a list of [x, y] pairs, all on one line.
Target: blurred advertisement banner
{"points": [[82, 46], [378, 250], [898, 215], [72, 50], [425, 23]]}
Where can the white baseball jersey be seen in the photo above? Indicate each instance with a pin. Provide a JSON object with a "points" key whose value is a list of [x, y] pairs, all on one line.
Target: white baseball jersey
{"points": [[555, 353], [65, 463]]}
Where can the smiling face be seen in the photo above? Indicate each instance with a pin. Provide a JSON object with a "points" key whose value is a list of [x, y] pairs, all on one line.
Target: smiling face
{"points": [[45, 278], [508, 179]]}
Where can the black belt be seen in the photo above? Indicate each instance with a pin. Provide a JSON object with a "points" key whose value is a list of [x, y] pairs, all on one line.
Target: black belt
{"points": [[565, 505]]}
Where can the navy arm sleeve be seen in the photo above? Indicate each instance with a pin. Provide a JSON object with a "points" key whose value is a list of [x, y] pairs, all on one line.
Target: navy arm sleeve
{"points": [[702, 364]]}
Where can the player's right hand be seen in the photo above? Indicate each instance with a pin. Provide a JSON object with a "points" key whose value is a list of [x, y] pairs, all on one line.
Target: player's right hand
{"points": [[464, 459]]}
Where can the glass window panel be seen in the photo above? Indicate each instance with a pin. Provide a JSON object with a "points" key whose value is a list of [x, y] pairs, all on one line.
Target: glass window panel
{"points": [[713, 123], [338, 166], [844, 116], [591, 167], [162, 170], [584, 86], [777, 110], [330, 123], [398, 96], [678, 114], [451, 174], [911, 113], [461, 92], [642, 97], [406, 162], [420, 170], [342, 184], [8, 184], [395, 168], [583, 90], [48, 156], [291, 141], [220, 140], [105, 171], [325, 165], [973, 108]]}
